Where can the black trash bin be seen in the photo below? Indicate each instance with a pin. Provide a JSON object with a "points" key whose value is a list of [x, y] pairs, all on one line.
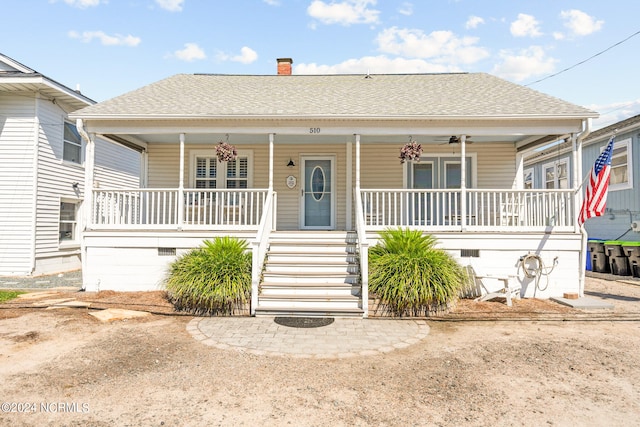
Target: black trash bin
{"points": [[618, 262], [632, 250], [599, 259]]}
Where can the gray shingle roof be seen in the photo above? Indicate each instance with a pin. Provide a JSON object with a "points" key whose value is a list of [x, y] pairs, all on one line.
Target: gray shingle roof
{"points": [[397, 95]]}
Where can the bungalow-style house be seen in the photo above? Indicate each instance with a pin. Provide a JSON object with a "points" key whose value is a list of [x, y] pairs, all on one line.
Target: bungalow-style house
{"points": [[318, 175], [42, 172], [552, 166]]}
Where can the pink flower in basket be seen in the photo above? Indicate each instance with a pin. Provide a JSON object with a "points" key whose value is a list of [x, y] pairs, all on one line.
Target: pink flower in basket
{"points": [[226, 151], [410, 151]]}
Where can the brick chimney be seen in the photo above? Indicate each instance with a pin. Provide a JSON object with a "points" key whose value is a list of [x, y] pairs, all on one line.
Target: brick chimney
{"points": [[284, 66]]}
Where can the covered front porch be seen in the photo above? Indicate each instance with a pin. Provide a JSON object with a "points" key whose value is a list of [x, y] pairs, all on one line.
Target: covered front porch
{"points": [[141, 230]]}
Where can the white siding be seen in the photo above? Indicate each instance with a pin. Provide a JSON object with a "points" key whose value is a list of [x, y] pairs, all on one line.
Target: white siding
{"points": [[55, 181], [16, 183], [116, 166]]}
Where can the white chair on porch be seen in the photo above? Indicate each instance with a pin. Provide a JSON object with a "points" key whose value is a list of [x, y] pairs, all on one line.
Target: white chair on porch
{"points": [[508, 289]]}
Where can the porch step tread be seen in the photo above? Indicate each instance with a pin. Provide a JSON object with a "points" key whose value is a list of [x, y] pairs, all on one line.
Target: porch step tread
{"points": [[307, 297], [276, 284], [308, 274], [309, 312]]}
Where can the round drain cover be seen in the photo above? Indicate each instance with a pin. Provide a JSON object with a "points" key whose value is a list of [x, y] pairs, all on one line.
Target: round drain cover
{"points": [[304, 322]]}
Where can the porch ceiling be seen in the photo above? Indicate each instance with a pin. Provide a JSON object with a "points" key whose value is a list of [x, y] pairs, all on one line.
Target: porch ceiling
{"points": [[245, 138]]}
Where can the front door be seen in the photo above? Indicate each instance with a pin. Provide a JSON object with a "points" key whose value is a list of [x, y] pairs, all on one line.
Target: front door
{"points": [[318, 193]]}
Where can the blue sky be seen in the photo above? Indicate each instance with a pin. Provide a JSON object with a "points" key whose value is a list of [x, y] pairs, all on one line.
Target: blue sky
{"points": [[110, 47]]}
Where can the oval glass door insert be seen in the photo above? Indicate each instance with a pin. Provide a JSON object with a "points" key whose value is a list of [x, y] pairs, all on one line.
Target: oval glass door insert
{"points": [[318, 181]]}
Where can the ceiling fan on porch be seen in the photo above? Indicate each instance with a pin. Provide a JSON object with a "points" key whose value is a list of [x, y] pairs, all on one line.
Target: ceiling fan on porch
{"points": [[453, 139]]}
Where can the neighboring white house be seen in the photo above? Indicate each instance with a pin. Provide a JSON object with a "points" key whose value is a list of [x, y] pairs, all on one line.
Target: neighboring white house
{"points": [[42, 172], [318, 169]]}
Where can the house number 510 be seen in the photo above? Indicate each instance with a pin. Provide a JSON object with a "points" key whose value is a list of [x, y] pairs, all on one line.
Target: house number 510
{"points": [[314, 130]]}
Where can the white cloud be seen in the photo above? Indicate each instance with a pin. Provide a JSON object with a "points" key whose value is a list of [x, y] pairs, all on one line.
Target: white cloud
{"points": [[82, 4], [615, 112], [171, 5], [525, 25], [105, 39], [272, 2], [524, 64], [558, 35], [473, 22], [579, 23], [406, 9], [376, 65], [345, 13], [247, 56], [443, 46], [191, 52]]}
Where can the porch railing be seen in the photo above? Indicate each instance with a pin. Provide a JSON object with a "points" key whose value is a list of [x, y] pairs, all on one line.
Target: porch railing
{"points": [[484, 209], [363, 251], [260, 246], [159, 208]]}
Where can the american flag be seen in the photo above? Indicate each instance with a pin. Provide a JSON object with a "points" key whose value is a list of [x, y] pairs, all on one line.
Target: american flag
{"points": [[596, 197]]}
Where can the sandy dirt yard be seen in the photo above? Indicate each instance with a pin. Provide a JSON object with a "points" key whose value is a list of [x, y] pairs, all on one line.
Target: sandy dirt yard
{"points": [[484, 365]]}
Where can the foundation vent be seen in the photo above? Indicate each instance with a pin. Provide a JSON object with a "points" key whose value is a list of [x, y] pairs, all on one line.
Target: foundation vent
{"points": [[470, 253], [166, 251]]}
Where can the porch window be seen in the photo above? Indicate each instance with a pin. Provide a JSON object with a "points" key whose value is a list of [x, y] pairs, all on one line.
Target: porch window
{"points": [[68, 224], [238, 173], [72, 145], [206, 172], [556, 174], [528, 179], [621, 165], [421, 175]]}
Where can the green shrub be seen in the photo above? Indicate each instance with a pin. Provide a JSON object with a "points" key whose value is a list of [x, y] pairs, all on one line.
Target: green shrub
{"points": [[411, 276], [213, 279]]}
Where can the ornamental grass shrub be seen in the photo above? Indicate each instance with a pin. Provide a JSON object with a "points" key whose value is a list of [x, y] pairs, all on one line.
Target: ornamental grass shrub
{"points": [[410, 276], [213, 279]]}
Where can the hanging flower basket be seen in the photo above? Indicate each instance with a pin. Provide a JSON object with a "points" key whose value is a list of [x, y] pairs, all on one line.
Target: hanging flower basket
{"points": [[410, 151], [226, 152]]}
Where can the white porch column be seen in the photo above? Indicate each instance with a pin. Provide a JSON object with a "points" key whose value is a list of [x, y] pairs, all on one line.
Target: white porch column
{"points": [[463, 182], [519, 181], [271, 137], [89, 172], [349, 172], [181, 184], [358, 162]]}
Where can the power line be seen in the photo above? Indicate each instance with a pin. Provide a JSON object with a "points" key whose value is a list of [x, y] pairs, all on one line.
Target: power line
{"points": [[582, 62]]}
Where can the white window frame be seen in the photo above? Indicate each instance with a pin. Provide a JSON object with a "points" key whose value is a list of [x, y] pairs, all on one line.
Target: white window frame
{"points": [[625, 143], [411, 172], [526, 172], [66, 141], [555, 165], [437, 159], [221, 173], [75, 241]]}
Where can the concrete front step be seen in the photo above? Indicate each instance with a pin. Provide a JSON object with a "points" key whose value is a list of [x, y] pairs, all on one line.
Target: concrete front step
{"points": [[321, 312], [310, 274], [310, 301], [337, 289], [321, 278]]}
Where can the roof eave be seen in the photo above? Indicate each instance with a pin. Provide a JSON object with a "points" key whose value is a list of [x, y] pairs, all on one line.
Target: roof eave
{"points": [[128, 117]]}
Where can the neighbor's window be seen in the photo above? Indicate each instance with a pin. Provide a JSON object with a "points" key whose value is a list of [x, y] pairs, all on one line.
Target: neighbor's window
{"points": [[67, 229], [556, 174], [620, 178], [528, 179], [72, 150]]}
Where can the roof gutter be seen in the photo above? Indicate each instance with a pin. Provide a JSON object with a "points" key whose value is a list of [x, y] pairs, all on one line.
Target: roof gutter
{"points": [[323, 117]]}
